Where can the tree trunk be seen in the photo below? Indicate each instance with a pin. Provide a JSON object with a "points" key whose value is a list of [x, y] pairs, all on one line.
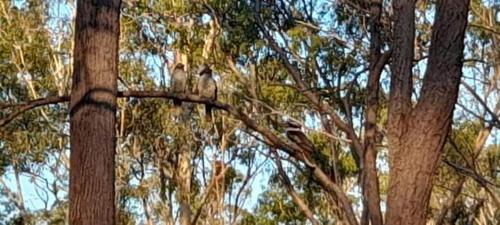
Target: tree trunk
{"points": [[370, 183], [417, 135], [92, 113], [184, 183]]}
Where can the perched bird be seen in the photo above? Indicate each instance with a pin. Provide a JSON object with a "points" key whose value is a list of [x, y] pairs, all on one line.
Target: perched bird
{"points": [[295, 134], [207, 89], [178, 82]]}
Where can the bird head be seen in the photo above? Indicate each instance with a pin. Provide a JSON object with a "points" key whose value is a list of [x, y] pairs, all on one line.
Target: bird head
{"points": [[179, 66], [205, 69]]}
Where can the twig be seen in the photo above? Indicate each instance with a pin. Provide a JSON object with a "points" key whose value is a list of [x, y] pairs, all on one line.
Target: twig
{"points": [[494, 116], [23, 107]]}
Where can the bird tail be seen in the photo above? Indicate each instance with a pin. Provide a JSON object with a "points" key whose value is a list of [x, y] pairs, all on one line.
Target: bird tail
{"points": [[208, 113], [177, 102]]}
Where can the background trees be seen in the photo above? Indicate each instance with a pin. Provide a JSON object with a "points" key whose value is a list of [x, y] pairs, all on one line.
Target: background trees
{"points": [[324, 64]]}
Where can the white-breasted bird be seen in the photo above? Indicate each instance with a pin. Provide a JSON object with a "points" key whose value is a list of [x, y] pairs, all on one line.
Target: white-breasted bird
{"points": [[207, 89], [178, 82], [294, 133]]}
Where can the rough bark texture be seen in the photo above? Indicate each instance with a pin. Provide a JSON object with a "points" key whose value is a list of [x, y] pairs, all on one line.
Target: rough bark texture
{"points": [[417, 136], [401, 68], [92, 113], [370, 184]]}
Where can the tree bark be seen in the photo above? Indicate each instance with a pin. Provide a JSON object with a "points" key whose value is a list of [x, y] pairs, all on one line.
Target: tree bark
{"points": [[417, 135], [92, 113], [370, 184], [184, 184]]}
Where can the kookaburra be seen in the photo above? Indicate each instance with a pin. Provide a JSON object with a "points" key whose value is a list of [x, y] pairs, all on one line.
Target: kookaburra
{"points": [[178, 82], [294, 133], [207, 89]]}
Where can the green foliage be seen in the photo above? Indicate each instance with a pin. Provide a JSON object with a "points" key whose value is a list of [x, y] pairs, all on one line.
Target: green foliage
{"points": [[277, 207]]}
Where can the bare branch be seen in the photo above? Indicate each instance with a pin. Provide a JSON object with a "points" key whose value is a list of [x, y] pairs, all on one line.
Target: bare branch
{"points": [[23, 107], [483, 182], [456, 190], [303, 87], [470, 173], [493, 115], [489, 29], [295, 196]]}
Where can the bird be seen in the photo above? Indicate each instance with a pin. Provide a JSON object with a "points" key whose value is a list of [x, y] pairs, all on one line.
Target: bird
{"points": [[294, 132], [207, 89], [178, 83]]}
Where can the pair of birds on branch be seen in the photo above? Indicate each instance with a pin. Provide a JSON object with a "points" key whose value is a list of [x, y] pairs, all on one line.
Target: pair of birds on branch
{"points": [[206, 86], [207, 89]]}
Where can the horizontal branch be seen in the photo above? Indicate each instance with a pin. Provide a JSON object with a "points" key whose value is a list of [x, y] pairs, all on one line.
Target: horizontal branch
{"points": [[489, 29], [26, 106], [169, 95]]}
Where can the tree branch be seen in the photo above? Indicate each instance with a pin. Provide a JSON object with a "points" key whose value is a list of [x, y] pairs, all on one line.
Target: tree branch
{"points": [[23, 107], [401, 67], [493, 114], [297, 77], [295, 196], [273, 140], [470, 173], [369, 179], [483, 182]]}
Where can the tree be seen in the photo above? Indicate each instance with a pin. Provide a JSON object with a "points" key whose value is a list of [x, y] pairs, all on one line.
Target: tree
{"points": [[92, 113], [417, 132]]}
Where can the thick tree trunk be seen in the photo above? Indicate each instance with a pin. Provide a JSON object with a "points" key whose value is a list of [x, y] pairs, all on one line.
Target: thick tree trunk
{"points": [[417, 135], [92, 113]]}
